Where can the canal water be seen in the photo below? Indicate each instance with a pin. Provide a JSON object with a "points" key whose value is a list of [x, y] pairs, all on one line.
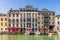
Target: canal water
{"points": [[29, 37]]}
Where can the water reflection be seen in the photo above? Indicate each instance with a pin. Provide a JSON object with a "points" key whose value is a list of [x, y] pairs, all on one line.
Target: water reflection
{"points": [[28, 37], [3, 37]]}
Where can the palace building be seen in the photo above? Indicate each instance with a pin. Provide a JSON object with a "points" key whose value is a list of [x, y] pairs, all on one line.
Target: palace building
{"points": [[30, 18]]}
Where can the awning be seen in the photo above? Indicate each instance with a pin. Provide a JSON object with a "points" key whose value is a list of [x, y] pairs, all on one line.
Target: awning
{"points": [[14, 29], [33, 28]]}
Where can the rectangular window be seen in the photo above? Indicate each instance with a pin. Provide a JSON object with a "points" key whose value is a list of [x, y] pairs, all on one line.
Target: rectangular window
{"points": [[1, 24], [35, 19], [13, 15], [1, 19], [17, 15], [21, 25], [21, 15], [58, 22], [21, 20], [46, 19], [45, 14], [17, 20], [5, 19], [24, 20], [36, 25], [24, 25], [9, 25], [17, 25], [29, 19], [9, 20], [5, 24], [38, 13], [32, 19], [33, 25], [13, 25], [24, 14]]}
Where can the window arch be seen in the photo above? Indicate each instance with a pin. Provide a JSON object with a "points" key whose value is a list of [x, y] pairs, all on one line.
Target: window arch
{"points": [[13, 20], [9, 20], [17, 20]]}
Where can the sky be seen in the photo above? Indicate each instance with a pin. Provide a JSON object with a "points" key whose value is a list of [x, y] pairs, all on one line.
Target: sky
{"points": [[54, 5]]}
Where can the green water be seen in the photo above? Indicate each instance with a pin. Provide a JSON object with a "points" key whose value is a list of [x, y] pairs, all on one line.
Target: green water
{"points": [[27, 37]]}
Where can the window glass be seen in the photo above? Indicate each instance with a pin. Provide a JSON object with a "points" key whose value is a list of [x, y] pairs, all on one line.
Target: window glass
{"points": [[58, 22], [45, 14], [5, 24], [13, 15], [13, 25], [17, 20], [13, 20], [1, 19], [1, 24], [21, 25], [20, 19], [17, 25], [9, 25], [5, 19], [17, 15], [9, 20]]}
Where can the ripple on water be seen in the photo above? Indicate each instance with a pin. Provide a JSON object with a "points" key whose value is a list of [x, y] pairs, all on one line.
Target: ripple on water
{"points": [[26, 37]]}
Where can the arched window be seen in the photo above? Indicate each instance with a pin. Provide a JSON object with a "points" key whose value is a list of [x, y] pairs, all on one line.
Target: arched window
{"points": [[9, 25], [20, 19], [13, 20], [13, 15], [1, 19], [17, 20], [9, 20], [17, 25], [17, 15]]}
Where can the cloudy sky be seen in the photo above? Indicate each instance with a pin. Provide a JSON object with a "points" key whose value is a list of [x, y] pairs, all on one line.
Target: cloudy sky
{"points": [[54, 5]]}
